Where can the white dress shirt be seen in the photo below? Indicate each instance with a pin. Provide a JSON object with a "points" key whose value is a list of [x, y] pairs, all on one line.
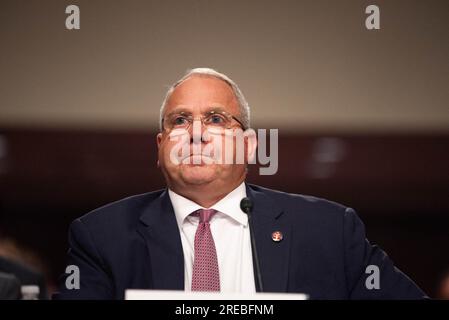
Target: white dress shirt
{"points": [[230, 230]]}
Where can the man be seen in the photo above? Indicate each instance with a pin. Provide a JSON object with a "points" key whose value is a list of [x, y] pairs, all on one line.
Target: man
{"points": [[193, 235]]}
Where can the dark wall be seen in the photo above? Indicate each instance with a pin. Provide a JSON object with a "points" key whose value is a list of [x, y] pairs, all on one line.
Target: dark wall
{"points": [[398, 184]]}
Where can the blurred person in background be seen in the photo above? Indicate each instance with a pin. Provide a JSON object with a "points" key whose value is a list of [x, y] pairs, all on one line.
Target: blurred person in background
{"points": [[9, 287], [443, 287], [21, 267]]}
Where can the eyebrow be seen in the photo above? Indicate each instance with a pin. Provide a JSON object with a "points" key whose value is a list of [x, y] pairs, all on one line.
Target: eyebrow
{"points": [[180, 109]]}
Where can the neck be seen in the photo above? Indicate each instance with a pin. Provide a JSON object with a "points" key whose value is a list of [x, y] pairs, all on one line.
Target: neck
{"points": [[206, 195]]}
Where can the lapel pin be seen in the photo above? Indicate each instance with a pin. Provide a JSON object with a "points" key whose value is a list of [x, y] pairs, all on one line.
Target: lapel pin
{"points": [[277, 236]]}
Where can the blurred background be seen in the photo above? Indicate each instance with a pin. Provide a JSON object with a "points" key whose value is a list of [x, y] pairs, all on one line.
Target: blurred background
{"points": [[363, 115]]}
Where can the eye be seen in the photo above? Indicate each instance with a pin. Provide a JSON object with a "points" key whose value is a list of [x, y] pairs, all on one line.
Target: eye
{"points": [[216, 119], [179, 120]]}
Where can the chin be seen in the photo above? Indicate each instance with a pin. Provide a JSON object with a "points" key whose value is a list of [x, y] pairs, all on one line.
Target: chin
{"points": [[201, 174]]}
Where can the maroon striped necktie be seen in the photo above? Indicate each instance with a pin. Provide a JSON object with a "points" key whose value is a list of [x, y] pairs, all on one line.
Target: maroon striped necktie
{"points": [[205, 275]]}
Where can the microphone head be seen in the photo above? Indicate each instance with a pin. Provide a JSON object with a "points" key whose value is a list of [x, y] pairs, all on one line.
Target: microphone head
{"points": [[246, 205]]}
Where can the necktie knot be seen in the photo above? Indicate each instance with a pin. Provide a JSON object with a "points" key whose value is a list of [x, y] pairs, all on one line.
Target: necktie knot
{"points": [[206, 214]]}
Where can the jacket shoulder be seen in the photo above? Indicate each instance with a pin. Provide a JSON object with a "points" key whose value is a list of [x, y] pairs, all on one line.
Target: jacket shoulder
{"points": [[302, 202], [124, 210]]}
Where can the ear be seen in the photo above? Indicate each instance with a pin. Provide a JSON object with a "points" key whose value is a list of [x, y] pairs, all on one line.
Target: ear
{"points": [[250, 145], [159, 140]]}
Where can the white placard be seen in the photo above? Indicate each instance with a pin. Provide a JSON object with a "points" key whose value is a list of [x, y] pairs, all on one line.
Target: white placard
{"points": [[133, 294]]}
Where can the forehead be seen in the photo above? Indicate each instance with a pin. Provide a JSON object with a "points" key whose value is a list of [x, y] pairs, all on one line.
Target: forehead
{"points": [[198, 94]]}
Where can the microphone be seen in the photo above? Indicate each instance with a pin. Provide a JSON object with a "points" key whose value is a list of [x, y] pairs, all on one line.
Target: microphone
{"points": [[247, 206]]}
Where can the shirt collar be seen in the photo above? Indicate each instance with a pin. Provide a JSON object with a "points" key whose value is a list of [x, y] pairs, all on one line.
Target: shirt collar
{"points": [[229, 205]]}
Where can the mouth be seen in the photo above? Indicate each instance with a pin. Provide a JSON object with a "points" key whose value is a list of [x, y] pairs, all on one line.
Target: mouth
{"points": [[198, 155], [198, 159]]}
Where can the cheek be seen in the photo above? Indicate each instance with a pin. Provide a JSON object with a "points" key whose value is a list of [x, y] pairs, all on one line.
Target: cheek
{"points": [[233, 149], [173, 151], [164, 152]]}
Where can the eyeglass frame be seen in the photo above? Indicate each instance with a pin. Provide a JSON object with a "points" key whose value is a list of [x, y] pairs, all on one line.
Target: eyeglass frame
{"points": [[211, 112]]}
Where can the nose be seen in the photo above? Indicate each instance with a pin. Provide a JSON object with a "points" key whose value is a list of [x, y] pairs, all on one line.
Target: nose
{"points": [[198, 132]]}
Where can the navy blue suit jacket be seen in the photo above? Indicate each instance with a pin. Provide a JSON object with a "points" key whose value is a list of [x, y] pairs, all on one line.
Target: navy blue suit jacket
{"points": [[135, 243]]}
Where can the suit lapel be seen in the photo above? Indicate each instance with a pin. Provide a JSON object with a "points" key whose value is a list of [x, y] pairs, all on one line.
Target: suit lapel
{"points": [[273, 256], [159, 229]]}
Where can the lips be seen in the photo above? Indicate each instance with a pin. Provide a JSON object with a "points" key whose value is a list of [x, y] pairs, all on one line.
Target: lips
{"points": [[197, 155], [198, 160]]}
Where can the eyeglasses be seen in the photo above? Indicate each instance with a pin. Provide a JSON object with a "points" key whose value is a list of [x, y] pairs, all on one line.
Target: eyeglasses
{"points": [[211, 119]]}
